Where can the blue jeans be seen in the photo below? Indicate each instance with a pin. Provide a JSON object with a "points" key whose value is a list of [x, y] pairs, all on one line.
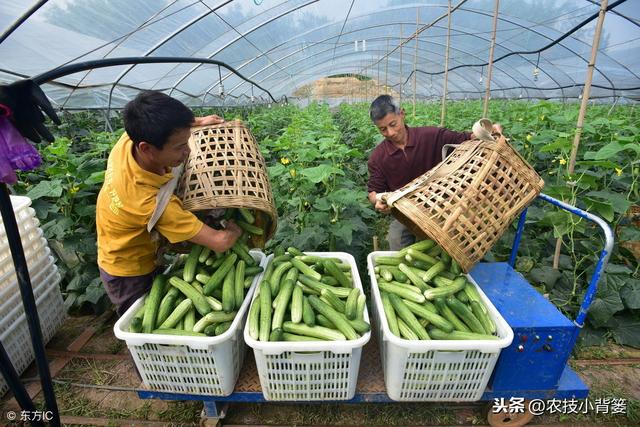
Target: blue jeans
{"points": [[399, 236]]}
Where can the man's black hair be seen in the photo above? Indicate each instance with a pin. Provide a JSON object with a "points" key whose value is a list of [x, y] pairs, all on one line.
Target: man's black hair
{"points": [[154, 116], [381, 106]]}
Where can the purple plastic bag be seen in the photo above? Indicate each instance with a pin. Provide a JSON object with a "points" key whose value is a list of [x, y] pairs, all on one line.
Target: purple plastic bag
{"points": [[15, 153]]}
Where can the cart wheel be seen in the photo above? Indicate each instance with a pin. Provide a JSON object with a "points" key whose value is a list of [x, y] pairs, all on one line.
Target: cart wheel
{"points": [[509, 419]]}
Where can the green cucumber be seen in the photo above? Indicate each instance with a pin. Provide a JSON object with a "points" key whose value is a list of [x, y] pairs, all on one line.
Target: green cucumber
{"points": [[296, 304], [238, 282], [216, 278], [152, 303]]}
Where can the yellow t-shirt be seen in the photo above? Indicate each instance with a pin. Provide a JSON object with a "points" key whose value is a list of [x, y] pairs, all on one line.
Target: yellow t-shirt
{"points": [[125, 204]]}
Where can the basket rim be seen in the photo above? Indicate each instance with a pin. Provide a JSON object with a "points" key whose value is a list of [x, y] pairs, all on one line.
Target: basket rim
{"points": [[339, 347], [120, 329], [423, 346]]}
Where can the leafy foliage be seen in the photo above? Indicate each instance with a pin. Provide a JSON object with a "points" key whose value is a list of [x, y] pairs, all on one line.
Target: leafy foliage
{"points": [[64, 193], [317, 159]]}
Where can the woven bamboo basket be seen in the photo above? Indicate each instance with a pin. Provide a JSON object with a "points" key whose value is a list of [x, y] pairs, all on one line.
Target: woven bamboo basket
{"points": [[468, 200], [226, 170]]}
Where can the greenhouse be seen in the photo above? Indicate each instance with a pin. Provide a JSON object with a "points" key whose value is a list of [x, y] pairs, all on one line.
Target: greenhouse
{"points": [[320, 212]]}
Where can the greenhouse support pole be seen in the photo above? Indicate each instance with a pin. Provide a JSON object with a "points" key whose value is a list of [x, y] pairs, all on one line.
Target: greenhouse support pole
{"points": [[443, 111], [378, 81], [400, 81], [29, 302], [487, 94], [366, 90], [415, 61], [386, 69], [586, 92], [587, 85]]}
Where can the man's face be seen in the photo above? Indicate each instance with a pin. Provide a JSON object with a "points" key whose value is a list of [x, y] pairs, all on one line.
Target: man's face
{"points": [[175, 151], [392, 127]]}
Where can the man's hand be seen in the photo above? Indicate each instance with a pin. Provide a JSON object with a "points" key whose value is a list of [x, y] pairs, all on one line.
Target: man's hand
{"points": [[218, 240], [382, 207], [22, 101], [233, 229], [378, 203], [496, 128], [213, 119]]}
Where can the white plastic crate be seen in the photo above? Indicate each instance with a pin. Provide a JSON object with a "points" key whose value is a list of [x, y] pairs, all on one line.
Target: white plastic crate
{"points": [[21, 210], [436, 370], [28, 230], [185, 364], [25, 219], [312, 370], [34, 265], [42, 275], [33, 251], [15, 336]]}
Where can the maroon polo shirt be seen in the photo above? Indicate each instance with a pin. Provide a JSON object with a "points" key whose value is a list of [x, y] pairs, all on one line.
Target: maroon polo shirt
{"points": [[391, 168]]}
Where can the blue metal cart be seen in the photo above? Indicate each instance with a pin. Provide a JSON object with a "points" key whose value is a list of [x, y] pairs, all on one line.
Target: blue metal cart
{"points": [[534, 366]]}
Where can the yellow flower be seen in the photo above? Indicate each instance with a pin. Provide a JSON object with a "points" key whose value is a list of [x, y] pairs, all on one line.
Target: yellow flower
{"points": [[542, 118], [292, 172], [519, 119], [75, 189], [285, 161], [562, 161], [529, 137], [618, 171]]}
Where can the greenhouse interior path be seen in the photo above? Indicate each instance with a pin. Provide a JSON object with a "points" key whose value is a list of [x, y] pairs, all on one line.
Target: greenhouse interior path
{"points": [[96, 384]]}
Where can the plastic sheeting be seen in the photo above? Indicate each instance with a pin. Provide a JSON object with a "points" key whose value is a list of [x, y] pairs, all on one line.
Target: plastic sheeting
{"points": [[284, 45]]}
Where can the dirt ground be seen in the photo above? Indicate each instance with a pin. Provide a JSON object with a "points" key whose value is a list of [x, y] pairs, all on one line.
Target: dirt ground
{"points": [[94, 391]]}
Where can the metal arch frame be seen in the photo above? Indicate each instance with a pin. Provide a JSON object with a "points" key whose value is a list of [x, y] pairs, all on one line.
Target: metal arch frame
{"points": [[271, 20], [324, 26], [615, 12], [111, 62], [233, 41], [305, 80], [344, 23], [161, 43], [558, 42], [422, 49], [549, 46], [16, 24], [296, 62], [335, 23], [518, 24], [121, 40], [321, 52], [456, 48], [465, 9], [262, 24]]}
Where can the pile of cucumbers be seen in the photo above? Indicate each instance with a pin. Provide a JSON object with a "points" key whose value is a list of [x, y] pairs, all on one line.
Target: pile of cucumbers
{"points": [[202, 298], [425, 296], [307, 298]]}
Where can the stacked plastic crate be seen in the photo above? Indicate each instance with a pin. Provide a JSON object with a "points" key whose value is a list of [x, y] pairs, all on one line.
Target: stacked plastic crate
{"points": [[14, 331]]}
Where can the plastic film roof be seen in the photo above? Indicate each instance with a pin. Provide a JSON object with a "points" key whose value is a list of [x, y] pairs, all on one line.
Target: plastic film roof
{"points": [[283, 45]]}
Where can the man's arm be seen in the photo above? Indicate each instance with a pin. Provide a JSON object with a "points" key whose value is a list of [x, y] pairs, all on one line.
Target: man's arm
{"points": [[376, 182], [217, 240], [496, 128], [213, 119]]}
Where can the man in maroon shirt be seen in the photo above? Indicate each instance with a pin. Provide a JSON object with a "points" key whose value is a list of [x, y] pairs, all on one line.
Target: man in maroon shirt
{"points": [[404, 154]]}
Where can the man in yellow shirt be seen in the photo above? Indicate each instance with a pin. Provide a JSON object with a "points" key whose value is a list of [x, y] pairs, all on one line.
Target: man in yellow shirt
{"points": [[156, 140]]}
